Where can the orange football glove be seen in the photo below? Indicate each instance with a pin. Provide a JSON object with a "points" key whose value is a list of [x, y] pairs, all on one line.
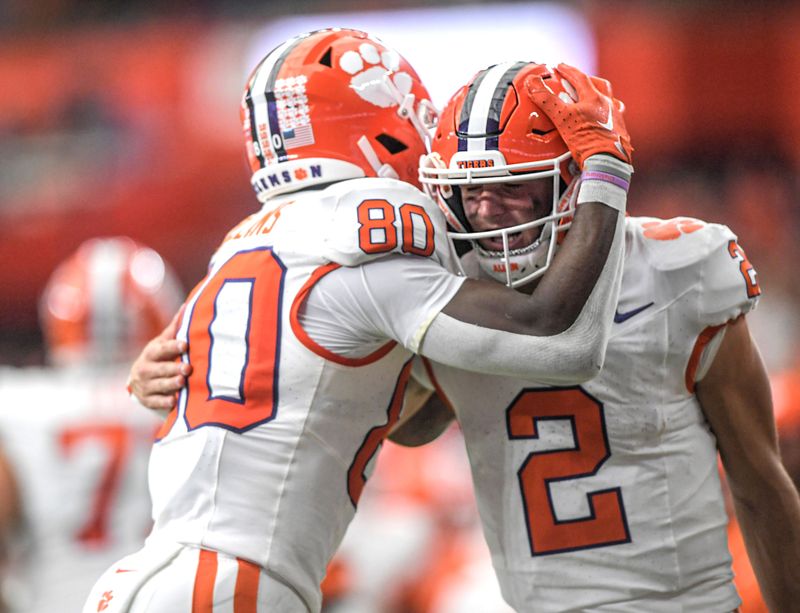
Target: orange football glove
{"points": [[587, 117]]}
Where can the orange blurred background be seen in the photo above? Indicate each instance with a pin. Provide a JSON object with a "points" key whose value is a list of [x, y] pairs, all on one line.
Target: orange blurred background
{"points": [[115, 119], [131, 127]]}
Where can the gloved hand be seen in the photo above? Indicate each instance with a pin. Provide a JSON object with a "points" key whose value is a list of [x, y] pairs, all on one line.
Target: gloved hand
{"points": [[586, 114]]}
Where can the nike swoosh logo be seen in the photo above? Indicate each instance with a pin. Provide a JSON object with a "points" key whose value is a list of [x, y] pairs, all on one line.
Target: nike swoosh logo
{"points": [[608, 124], [125, 570], [620, 317]]}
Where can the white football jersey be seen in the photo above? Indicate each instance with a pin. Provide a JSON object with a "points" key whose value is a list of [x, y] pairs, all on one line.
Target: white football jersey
{"points": [[275, 435], [606, 496], [78, 448]]}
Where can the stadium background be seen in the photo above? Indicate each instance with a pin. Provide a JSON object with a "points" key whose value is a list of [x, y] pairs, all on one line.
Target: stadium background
{"points": [[122, 118]]}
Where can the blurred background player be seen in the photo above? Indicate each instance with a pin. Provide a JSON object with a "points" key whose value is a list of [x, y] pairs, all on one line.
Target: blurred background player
{"points": [[302, 335], [74, 486], [606, 496]]}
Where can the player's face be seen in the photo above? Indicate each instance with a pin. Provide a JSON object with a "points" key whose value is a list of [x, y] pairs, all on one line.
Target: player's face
{"points": [[500, 205]]}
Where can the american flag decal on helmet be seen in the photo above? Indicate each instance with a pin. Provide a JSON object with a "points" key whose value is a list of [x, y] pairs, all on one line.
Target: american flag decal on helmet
{"points": [[292, 106], [298, 137]]}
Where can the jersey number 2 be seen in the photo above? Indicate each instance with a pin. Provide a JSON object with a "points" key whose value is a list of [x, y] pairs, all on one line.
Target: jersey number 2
{"points": [[746, 268], [606, 523]]}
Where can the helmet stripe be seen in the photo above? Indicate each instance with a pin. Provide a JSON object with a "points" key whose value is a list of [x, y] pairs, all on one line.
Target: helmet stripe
{"points": [[480, 115], [466, 109], [262, 90]]}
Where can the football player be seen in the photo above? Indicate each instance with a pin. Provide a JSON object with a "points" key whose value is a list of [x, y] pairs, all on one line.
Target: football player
{"points": [[605, 496], [301, 338], [74, 480]]}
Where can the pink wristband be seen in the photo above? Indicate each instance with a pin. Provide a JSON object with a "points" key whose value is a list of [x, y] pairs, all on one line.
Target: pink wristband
{"points": [[596, 175]]}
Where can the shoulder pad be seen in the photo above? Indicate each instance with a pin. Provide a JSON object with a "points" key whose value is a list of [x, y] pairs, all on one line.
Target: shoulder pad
{"points": [[349, 223], [372, 217], [701, 262], [680, 242], [729, 284]]}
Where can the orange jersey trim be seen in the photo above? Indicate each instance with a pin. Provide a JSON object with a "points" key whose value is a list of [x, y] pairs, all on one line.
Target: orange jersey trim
{"points": [[165, 427], [703, 339], [356, 479], [310, 344], [204, 579]]}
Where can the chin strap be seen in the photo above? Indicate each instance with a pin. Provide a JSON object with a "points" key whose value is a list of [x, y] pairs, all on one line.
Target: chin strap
{"points": [[381, 170]]}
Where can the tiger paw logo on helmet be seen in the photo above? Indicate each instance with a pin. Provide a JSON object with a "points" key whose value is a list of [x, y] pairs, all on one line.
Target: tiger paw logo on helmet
{"points": [[368, 83]]}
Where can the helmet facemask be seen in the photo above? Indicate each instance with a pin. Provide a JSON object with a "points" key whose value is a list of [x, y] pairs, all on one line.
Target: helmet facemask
{"points": [[513, 265], [491, 133]]}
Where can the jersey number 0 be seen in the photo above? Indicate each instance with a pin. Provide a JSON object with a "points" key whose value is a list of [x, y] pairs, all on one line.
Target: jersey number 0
{"points": [[233, 331]]}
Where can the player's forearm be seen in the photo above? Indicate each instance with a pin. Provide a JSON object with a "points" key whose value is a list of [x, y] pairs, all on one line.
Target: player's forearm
{"points": [[770, 522], [566, 358], [563, 291], [592, 253]]}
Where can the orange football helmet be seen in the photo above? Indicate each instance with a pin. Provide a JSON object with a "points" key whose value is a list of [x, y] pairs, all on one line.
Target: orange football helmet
{"points": [[332, 105], [491, 132], [105, 301]]}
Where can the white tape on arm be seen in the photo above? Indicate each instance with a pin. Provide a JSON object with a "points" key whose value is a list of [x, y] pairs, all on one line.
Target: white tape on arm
{"points": [[606, 180]]}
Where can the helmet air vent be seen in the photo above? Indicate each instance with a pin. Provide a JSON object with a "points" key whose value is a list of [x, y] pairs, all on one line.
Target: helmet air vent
{"points": [[325, 60], [390, 143]]}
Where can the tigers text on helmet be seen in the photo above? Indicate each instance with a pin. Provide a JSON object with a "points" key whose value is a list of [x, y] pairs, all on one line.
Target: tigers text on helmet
{"points": [[105, 301], [331, 105], [491, 132]]}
